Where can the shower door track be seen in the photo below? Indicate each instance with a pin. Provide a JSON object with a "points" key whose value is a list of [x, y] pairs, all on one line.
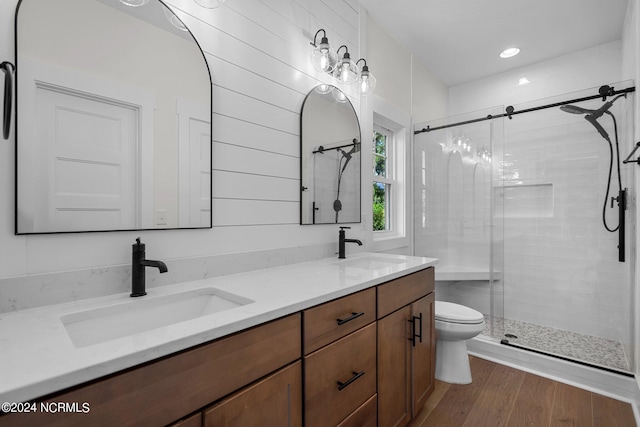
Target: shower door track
{"points": [[511, 112], [568, 359]]}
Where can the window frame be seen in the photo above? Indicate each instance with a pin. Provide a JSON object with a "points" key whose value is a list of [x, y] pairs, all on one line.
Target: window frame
{"points": [[398, 236], [389, 177]]}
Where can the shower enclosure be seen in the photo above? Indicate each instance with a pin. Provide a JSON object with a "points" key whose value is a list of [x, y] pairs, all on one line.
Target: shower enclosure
{"points": [[513, 206]]}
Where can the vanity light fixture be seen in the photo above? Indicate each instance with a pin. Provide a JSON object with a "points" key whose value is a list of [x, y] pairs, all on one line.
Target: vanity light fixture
{"points": [[341, 67], [367, 81], [134, 3], [323, 58], [346, 70], [510, 52], [210, 4]]}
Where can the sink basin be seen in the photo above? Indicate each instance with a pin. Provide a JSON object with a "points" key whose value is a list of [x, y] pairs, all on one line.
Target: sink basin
{"points": [[103, 324], [371, 263]]}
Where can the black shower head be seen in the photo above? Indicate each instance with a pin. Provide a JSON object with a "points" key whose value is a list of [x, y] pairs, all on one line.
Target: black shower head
{"points": [[574, 109]]}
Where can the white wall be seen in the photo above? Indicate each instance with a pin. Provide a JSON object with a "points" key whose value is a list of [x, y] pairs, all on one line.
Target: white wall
{"points": [[406, 92], [586, 68], [258, 54]]}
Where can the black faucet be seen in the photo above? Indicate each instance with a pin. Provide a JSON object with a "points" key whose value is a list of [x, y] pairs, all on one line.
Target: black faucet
{"points": [[138, 266], [342, 240]]}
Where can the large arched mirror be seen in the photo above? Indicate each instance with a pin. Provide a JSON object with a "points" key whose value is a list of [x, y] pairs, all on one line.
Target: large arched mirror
{"points": [[113, 119], [329, 158]]}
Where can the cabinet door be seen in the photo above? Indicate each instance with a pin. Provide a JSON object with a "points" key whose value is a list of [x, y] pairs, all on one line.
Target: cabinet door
{"points": [[394, 359], [423, 355], [273, 401]]}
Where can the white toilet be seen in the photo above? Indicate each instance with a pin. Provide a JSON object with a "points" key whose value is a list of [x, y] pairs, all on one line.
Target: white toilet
{"points": [[455, 324]]}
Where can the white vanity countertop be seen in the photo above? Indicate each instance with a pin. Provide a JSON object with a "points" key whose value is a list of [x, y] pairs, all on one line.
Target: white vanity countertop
{"points": [[37, 357]]}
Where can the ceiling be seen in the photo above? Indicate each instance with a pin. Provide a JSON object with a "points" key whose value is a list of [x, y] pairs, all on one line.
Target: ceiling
{"points": [[460, 40]]}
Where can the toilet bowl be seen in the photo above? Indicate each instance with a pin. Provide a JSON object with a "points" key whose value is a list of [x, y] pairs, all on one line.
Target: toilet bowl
{"points": [[455, 324]]}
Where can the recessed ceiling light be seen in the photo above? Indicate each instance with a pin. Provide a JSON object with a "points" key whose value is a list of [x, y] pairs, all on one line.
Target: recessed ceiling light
{"points": [[523, 81], [508, 53]]}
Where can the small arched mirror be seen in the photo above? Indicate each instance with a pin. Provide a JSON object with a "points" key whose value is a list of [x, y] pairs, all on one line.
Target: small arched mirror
{"points": [[329, 158], [113, 118]]}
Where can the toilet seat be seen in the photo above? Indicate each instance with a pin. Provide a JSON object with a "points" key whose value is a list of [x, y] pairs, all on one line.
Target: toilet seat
{"points": [[456, 313]]}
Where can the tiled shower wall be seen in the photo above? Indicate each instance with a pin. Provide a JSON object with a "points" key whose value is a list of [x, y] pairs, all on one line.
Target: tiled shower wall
{"points": [[561, 266]]}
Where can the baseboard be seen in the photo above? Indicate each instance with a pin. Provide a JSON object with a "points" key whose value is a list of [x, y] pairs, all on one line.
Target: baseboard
{"points": [[616, 386]]}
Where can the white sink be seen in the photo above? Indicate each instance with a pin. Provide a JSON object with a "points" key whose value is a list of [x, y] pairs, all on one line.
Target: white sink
{"points": [[371, 263], [142, 314]]}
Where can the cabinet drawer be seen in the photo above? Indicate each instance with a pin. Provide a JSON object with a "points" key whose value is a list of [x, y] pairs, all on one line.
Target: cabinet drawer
{"points": [[405, 290], [365, 416], [165, 390], [340, 377], [328, 322]]}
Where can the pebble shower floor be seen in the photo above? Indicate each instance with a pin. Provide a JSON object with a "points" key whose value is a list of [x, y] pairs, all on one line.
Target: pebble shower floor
{"points": [[582, 348]]}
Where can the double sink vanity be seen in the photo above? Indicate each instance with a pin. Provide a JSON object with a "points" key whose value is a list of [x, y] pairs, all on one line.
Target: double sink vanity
{"points": [[346, 342]]}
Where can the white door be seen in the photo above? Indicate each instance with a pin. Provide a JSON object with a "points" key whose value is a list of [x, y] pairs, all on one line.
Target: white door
{"points": [[194, 168], [91, 145], [200, 173]]}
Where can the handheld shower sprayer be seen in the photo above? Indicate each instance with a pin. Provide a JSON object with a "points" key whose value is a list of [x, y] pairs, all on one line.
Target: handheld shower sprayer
{"points": [[592, 117]]}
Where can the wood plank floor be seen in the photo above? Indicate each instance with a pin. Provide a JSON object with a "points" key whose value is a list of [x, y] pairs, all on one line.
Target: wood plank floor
{"points": [[504, 396]]}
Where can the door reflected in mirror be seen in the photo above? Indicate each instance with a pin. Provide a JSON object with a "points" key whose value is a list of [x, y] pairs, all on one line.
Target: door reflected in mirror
{"points": [[113, 119], [330, 158]]}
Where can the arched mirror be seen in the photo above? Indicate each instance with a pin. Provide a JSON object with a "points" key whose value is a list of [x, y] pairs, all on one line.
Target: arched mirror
{"points": [[329, 158], [113, 118]]}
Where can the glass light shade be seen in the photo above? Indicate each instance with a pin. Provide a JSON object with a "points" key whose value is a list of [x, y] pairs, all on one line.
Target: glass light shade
{"points": [[134, 3], [346, 71], [209, 4], [367, 82], [339, 96], [324, 89], [323, 59], [174, 20]]}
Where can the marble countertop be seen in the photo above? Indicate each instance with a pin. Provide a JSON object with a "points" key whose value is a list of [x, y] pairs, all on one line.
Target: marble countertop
{"points": [[38, 357]]}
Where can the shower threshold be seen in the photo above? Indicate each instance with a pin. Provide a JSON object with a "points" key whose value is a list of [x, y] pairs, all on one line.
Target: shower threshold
{"points": [[584, 349]]}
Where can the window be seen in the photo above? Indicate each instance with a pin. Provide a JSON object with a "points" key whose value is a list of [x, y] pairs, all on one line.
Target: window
{"points": [[383, 182]]}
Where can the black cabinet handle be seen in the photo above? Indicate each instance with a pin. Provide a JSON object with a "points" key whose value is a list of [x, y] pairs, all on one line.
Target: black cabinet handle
{"points": [[420, 334], [350, 318], [355, 376], [415, 335]]}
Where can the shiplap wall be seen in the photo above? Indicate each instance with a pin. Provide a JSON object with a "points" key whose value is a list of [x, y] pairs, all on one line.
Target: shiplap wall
{"points": [[258, 54]]}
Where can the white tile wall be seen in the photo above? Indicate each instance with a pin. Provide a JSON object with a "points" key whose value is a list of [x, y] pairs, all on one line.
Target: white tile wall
{"points": [[560, 270]]}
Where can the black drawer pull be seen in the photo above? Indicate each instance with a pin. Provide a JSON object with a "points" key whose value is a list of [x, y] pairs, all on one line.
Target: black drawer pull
{"points": [[355, 376], [350, 318]]}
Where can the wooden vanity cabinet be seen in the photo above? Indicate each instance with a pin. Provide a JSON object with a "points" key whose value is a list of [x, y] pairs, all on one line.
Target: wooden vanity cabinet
{"points": [[340, 361], [169, 389], [406, 347]]}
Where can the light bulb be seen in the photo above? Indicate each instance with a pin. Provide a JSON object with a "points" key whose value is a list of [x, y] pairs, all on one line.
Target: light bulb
{"points": [[367, 81]]}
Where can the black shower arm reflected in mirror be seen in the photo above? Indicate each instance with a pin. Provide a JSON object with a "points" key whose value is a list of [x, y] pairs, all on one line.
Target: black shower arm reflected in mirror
{"points": [[330, 144], [8, 69]]}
